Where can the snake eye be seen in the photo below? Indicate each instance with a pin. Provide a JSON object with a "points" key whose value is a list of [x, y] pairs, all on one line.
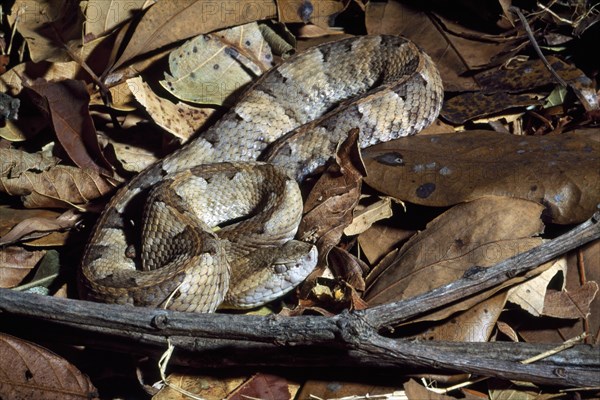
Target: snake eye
{"points": [[279, 268]]}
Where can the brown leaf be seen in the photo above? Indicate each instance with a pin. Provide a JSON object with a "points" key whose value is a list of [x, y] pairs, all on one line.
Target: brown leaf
{"points": [[473, 105], [40, 23], [167, 22], [379, 240], [471, 235], [16, 263], [473, 325], [530, 295], [348, 267], [35, 227], [561, 171], [455, 49], [103, 16], [416, 391], [179, 119], [326, 389], [501, 88], [208, 387], [59, 187], [328, 208], [30, 371], [570, 304], [15, 162], [262, 386], [67, 103]]}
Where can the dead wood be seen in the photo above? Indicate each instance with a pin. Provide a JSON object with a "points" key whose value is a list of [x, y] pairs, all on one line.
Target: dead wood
{"points": [[350, 339]]}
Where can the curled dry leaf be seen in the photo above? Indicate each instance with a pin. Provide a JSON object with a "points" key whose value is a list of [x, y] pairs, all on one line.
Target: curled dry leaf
{"points": [[348, 267], [210, 68], [35, 227], [440, 170], [30, 371], [364, 217], [59, 187], [471, 235], [328, 208], [180, 119]]}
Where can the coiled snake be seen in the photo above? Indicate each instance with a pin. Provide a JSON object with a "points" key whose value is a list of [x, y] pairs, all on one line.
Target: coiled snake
{"points": [[292, 119]]}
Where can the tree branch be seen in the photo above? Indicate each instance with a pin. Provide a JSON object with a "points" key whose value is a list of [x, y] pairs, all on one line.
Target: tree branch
{"points": [[347, 339]]}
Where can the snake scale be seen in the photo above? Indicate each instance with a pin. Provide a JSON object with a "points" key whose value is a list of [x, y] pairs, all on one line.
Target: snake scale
{"points": [[291, 120]]}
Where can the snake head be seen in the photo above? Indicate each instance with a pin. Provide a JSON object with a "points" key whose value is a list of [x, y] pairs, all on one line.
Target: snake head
{"points": [[288, 266]]}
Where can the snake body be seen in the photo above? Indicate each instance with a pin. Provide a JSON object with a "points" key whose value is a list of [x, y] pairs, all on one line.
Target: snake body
{"points": [[293, 118]]}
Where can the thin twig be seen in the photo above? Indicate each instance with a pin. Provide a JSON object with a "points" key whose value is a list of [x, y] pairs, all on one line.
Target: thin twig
{"points": [[536, 47]]}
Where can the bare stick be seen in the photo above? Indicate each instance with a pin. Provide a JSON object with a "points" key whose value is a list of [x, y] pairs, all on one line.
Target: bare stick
{"points": [[536, 47]]}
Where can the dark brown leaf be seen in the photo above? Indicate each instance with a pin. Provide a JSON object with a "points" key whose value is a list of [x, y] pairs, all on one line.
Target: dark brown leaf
{"points": [[30, 371], [328, 209], [570, 304], [67, 103], [560, 171], [348, 267]]}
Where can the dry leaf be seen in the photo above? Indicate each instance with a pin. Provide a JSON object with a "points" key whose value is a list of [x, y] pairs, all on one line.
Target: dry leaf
{"points": [[59, 187], [474, 234], [570, 304], [501, 87], [454, 52], [560, 171], [473, 325], [168, 22], [180, 119], [262, 386], [530, 295], [379, 240], [40, 21], [208, 387], [67, 103], [30, 371], [416, 391], [364, 217], [348, 267], [102, 16], [35, 227], [209, 69], [15, 162], [508, 331], [328, 208], [16, 263], [344, 389]]}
